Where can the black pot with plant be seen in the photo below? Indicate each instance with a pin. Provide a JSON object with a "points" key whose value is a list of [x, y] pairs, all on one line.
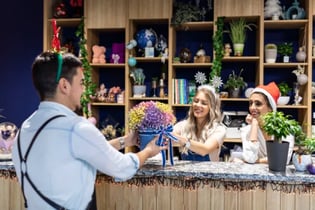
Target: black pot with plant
{"points": [[278, 125]]}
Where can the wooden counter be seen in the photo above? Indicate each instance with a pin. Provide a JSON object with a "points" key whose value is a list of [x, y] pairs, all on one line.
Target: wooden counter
{"points": [[192, 186], [208, 186]]}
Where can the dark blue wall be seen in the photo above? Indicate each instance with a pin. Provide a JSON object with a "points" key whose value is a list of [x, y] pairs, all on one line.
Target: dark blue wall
{"points": [[21, 40]]}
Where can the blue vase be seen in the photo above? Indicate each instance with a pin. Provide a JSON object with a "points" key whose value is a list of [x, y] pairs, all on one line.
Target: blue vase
{"points": [[145, 137]]}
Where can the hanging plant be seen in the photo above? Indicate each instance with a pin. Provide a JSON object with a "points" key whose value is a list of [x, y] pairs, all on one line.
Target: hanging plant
{"points": [[215, 74], [88, 83]]}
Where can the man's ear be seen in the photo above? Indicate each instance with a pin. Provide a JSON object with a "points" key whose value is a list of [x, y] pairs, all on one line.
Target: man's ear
{"points": [[63, 85]]}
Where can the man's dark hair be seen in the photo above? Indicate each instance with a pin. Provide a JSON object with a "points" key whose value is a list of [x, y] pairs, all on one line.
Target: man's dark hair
{"points": [[44, 72]]}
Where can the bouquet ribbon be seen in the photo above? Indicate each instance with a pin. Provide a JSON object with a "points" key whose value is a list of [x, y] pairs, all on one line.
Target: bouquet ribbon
{"points": [[165, 131]]}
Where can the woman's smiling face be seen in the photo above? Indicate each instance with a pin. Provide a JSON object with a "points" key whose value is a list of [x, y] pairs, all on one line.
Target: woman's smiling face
{"points": [[201, 105], [258, 105]]}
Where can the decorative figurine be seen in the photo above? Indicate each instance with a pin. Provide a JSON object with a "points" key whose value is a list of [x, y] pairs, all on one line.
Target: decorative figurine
{"points": [[227, 50], [101, 93]]}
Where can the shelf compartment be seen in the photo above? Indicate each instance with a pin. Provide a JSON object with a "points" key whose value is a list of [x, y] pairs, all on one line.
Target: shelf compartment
{"points": [[196, 26], [191, 65], [147, 99], [283, 65], [66, 22], [285, 24], [106, 104], [240, 59]]}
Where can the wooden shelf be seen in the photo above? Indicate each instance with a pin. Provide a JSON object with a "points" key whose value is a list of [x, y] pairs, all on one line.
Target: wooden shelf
{"points": [[285, 24]]}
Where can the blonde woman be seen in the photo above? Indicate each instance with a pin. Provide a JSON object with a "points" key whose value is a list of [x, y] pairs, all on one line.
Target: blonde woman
{"points": [[201, 134]]}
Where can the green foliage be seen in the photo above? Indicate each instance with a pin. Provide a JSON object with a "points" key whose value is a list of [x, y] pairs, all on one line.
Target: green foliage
{"points": [[218, 49], [306, 145], [88, 83], [238, 30], [185, 12], [137, 76], [285, 48], [284, 88], [235, 81], [278, 125]]}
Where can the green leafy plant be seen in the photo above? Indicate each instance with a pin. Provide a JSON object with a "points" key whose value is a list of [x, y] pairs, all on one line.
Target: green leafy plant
{"points": [[285, 48], [306, 145], [238, 30], [279, 125], [218, 50], [235, 81], [137, 76], [185, 12], [284, 88], [87, 71]]}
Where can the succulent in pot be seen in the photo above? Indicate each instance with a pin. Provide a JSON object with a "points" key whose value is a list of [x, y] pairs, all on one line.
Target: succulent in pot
{"points": [[137, 76]]}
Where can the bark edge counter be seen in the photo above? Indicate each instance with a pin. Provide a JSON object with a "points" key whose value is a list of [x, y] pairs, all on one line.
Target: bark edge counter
{"points": [[207, 185]]}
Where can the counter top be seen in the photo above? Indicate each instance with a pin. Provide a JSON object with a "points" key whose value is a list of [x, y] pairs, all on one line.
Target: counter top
{"points": [[224, 170], [209, 171]]}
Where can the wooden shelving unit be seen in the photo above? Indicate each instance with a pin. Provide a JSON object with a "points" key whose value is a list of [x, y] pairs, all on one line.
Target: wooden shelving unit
{"points": [[111, 17]]}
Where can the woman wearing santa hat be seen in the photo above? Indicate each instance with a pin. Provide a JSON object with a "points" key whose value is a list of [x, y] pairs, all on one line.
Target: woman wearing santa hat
{"points": [[263, 99]]}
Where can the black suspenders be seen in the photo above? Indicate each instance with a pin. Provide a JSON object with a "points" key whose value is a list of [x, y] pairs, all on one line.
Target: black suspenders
{"points": [[23, 166]]}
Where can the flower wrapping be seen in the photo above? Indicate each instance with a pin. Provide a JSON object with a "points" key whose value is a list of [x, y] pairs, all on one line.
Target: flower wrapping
{"points": [[154, 118]]}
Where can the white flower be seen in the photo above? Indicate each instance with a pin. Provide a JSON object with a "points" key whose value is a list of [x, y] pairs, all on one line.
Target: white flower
{"points": [[216, 82], [200, 77]]}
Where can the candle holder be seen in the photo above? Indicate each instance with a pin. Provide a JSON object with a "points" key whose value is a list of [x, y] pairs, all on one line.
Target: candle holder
{"points": [[154, 85], [162, 94]]}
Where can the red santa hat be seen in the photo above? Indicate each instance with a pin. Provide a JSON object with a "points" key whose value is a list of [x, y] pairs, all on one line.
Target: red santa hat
{"points": [[272, 92]]}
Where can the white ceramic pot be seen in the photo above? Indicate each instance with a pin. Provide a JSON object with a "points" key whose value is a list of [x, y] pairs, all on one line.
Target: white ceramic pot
{"points": [[139, 90], [270, 55], [238, 49], [286, 59], [283, 100], [301, 161]]}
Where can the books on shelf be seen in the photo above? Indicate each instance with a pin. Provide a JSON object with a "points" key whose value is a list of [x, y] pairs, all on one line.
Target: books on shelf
{"points": [[181, 91]]}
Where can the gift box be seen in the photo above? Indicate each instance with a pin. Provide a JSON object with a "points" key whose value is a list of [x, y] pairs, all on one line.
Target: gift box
{"points": [[118, 49]]}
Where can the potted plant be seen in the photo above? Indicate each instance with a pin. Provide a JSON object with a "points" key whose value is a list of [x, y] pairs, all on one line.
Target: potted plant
{"points": [[284, 89], [234, 84], [270, 53], [138, 77], [237, 33], [185, 12], [306, 146], [278, 125], [285, 49]]}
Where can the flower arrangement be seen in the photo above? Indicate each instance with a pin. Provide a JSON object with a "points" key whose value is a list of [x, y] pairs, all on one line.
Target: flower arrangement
{"points": [[150, 115], [150, 119]]}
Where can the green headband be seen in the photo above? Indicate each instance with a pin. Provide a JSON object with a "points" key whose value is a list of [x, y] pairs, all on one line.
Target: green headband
{"points": [[59, 57]]}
